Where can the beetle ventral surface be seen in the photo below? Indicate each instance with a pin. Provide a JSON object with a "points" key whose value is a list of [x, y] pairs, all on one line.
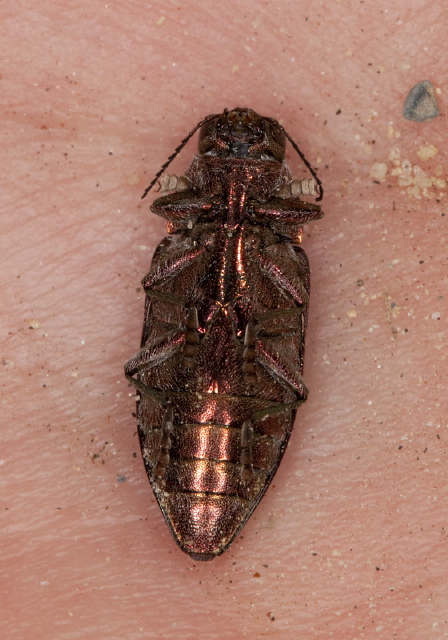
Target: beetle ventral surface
{"points": [[219, 372]]}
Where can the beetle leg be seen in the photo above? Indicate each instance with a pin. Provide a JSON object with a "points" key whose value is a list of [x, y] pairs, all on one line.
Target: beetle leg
{"points": [[296, 188], [171, 264], [174, 182], [153, 354], [250, 375], [191, 339], [181, 205], [287, 210], [163, 455], [246, 458], [285, 268], [280, 365]]}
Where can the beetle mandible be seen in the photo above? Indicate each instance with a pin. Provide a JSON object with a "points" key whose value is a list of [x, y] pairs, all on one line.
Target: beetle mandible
{"points": [[219, 372]]}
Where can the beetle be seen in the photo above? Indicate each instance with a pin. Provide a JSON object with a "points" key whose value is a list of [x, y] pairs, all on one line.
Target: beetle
{"points": [[219, 371]]}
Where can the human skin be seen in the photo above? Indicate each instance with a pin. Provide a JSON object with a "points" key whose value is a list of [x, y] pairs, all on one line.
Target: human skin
{"points": [[350, 540]]}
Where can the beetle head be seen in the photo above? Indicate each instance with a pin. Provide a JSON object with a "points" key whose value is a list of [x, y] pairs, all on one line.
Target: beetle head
{"points": [[242, 133]]}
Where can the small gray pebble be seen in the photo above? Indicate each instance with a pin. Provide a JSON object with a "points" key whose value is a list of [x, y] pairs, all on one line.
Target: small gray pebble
{"points": [[420, 103]]}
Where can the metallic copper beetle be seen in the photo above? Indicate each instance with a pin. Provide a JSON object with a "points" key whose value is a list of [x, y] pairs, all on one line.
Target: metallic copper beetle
{"points": [[219, 372]]}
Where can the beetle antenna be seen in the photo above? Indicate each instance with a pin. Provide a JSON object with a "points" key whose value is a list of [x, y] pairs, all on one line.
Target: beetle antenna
{"points": [[177, 151], [304, 160]]}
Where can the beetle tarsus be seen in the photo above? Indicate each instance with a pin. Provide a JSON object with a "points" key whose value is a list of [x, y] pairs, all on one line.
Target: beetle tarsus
{"points": [[191, 339]]}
